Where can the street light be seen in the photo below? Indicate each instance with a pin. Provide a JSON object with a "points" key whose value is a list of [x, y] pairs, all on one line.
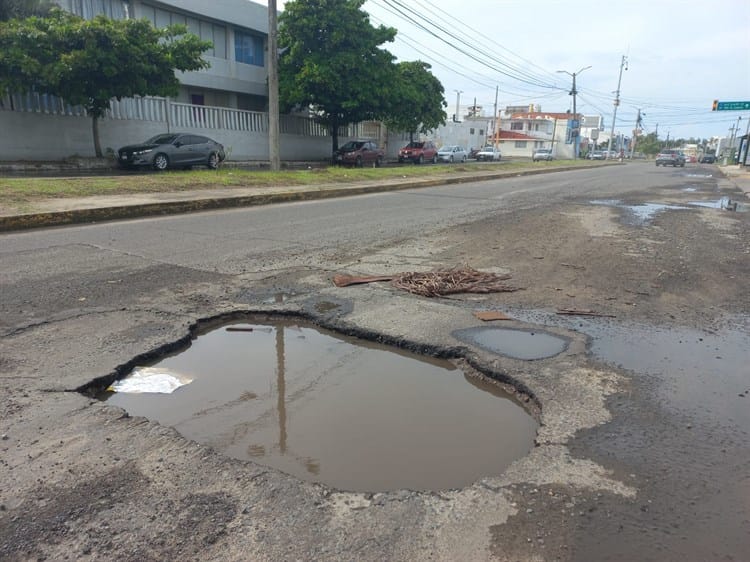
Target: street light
{"points": [[573, 93], [458, 101]]}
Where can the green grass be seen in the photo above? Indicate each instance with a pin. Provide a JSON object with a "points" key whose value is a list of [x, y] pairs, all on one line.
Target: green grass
{"points": [[17, 191]]}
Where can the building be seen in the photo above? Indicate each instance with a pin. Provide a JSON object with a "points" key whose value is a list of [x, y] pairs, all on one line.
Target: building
{"points": [[238, 30], [227, 101], [522, 133]]}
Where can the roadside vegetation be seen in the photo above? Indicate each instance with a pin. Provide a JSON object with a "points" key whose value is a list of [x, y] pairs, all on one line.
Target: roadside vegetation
{"points": [[15, 191]]}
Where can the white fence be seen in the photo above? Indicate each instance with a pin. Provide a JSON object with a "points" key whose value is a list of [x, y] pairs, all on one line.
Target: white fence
{"points": [[43, 127]]}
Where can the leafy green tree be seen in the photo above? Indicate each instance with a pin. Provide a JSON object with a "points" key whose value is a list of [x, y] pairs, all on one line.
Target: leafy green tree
{"points": [[89, 62], [332, 62], [417, 103], [648, 144], [19, 9]]}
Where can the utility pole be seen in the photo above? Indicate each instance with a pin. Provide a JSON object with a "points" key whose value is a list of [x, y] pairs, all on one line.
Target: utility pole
{"points": [[576, 130], [458, 103], [635, 133], [623, 64], [273, 90], [495, 136]]}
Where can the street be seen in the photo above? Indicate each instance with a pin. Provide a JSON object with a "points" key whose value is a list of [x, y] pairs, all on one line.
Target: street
{"points": [[643, 448]]}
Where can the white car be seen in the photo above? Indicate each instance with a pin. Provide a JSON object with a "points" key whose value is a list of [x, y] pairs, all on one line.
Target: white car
{"points": [[452, 153], [489, 153], [542, 154]]}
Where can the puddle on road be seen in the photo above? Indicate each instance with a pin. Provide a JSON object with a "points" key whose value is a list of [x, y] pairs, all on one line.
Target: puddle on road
{"points": [[337, 410], [518, 344], [639, 215]]}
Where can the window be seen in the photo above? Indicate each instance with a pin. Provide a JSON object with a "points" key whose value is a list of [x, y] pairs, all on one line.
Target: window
{"points": [[481, 132], [248, 48], [516, 126], [471, 131], [520, 144]]}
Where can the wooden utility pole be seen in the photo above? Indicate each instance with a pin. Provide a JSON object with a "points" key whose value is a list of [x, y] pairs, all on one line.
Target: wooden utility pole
{"points": [[273, 89]]}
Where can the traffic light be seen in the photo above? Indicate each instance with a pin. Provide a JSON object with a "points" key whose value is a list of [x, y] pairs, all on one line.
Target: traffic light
{"points": [[715, 105]]}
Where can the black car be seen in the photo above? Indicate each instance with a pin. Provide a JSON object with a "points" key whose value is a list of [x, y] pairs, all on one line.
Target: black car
{"points": [[172, 150], [708, 159]]}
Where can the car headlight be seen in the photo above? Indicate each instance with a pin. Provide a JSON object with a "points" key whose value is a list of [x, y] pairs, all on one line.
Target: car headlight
{"points": [[141, 152]]}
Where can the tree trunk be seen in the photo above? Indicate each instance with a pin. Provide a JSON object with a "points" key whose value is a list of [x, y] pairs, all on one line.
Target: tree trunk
{"points": [[95, 131]]}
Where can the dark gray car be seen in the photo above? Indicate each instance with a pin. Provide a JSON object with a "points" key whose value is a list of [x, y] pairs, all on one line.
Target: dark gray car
{"points": [[172, 150]]}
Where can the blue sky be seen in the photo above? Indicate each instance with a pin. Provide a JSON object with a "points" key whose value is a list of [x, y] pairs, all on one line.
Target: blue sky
{"points": [[681, 56]]}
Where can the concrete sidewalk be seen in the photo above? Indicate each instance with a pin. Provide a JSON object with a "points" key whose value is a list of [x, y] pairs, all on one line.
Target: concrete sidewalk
{"points": [[63, 211]]}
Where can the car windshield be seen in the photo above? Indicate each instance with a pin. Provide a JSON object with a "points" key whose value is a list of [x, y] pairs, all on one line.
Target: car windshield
{"points": [[162, 139], [352, 145], [543, 150], [415, 145], [446, 149]]}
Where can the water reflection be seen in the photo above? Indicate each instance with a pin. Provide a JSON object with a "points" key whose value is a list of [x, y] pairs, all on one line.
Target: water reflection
{"points": [[336, 410]]}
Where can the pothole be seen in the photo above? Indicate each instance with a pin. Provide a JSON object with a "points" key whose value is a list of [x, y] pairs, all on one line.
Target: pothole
{"points": [[518, 344], [333, 409], [639, 215]]}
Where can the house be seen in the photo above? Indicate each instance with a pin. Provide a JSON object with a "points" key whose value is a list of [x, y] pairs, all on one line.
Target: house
{"points": [[524, 132]]}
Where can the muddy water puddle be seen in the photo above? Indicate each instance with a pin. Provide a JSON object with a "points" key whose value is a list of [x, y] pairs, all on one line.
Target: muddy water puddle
{"points": [[337, 410], [518, 344]]}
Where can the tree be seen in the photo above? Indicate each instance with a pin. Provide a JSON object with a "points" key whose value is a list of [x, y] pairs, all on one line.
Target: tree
{"points": [[417, 103], [648, 144], [19, 9], [89, 62], [332, 62]]}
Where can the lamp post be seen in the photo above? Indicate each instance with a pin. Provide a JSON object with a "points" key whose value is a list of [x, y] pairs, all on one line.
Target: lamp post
{"points": [[573, 93], [458, 101]]}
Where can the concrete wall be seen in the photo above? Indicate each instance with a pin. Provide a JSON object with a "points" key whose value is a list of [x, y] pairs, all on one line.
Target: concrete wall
{"points": [[27, 136]]}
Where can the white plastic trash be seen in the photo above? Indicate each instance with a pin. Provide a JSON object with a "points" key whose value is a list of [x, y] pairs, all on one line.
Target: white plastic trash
{"points": [[150, 379]]}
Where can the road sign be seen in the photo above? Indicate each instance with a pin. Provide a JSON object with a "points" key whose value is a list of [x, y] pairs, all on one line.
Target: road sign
{"points": [[730, 106]]}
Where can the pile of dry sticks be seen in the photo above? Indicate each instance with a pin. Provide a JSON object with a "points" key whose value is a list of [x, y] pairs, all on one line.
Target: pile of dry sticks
{"points": [[440, 282]]}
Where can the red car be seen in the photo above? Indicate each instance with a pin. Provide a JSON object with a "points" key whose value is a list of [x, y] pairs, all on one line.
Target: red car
{"points": [[418, 152], [359, 153]]}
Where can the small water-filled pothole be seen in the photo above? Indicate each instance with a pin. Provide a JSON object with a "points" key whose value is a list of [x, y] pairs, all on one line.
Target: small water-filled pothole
{"points": [[518, 344], [337, 410]]}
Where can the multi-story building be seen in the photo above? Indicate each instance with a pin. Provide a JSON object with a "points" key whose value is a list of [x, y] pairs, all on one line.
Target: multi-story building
{"points": [[227, 101], [238, 29]]}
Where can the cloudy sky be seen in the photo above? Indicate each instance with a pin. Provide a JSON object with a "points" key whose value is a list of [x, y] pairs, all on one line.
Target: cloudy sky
{"points": [[681, 55]]}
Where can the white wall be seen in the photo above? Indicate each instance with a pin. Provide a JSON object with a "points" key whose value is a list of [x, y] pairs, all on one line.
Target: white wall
{"points": [[27, 136]]}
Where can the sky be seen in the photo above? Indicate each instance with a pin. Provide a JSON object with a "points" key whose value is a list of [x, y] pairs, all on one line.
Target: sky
{"points": [[681, 55]]}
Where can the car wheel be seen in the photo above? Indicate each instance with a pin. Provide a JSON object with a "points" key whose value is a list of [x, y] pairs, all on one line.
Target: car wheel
{"points": [[378, 162], [358, 163], [161, 162], [213, 161], [434, 159], [451, 160], [463, 159], [400, 160], [419, 160]]}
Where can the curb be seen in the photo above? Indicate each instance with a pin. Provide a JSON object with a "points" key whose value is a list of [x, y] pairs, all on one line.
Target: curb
{"points": [[120, 212]]}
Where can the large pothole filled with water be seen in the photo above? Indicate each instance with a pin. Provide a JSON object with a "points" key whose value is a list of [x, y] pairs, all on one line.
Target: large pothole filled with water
{"points": [[333, 409]]}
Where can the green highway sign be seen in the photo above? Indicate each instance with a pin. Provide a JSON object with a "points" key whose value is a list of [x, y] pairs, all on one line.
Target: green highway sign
{"points": [[730, 105]]}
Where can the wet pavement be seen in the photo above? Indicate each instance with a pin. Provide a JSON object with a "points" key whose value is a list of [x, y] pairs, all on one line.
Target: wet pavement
{"points": [[325, 408]]}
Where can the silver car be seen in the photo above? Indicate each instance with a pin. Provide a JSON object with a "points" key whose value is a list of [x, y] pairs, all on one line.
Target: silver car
{"points": [[452, 153], [542, 154]]}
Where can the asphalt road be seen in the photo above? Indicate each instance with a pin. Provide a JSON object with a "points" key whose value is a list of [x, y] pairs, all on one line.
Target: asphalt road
{"points": [[641, 455]]}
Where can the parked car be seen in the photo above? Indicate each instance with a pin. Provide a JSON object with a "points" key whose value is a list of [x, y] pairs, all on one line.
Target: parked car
{"points": [[359, 153], [489, 154], [452, 153], [708, 159], [670, 157], [418, 152], [172, 150], [542, 154], [597, 155]]}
